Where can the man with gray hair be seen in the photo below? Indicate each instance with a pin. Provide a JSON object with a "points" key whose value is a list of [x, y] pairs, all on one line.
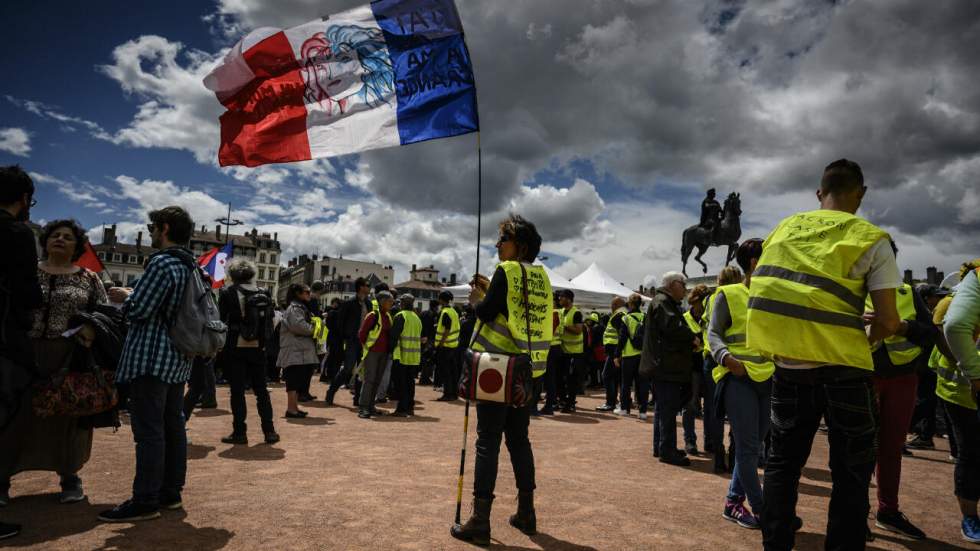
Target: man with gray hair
{"points": [[248, 312], [666, 360], [374, 336]]}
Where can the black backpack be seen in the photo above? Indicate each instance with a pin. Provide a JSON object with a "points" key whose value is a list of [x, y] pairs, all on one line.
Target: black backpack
{"points": [[636, 339], [257, 316]]}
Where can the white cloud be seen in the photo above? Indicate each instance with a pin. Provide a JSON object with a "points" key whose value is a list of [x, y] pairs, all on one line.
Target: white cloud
{"points": [[15, 141], [69, 123], [82, 193]]}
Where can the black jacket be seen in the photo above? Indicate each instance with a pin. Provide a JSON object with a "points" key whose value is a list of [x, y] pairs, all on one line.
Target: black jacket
{"points": [[667, 341], [921, 332], [230, 310], [20, 292], [350, 316]]}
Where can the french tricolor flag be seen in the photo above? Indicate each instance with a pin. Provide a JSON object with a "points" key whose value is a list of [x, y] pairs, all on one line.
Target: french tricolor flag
{"points": [[390, 73], [214, 262]]}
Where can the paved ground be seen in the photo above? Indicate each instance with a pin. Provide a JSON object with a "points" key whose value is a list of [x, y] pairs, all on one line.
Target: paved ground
{"points": [[338, 482]]}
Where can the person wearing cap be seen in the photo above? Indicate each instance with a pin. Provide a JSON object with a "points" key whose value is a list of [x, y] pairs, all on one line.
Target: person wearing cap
{"points": [[447, 341], [628, 359], [610, 340], [666, 360], [924, 415], [806, 312], [406, 348], [573, 349], [374, 336]]}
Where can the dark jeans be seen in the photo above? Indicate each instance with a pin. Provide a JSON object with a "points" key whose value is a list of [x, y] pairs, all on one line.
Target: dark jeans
{"points": [[446, 360], [630, 374], [352, 354], [428, 363], [714, 427], [161, 441], [335, 357], [555, 360], [611, 376], [493, 421], [248, 365], [845, 397], [924, 415], [670, 397], [199, 389], [689, 416], [966, 474], [574, 376], [404, 377]]}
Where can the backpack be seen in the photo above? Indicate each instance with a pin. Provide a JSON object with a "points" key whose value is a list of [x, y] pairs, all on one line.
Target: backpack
{"points": [[196, 329], [257, 316], [636, 339]]}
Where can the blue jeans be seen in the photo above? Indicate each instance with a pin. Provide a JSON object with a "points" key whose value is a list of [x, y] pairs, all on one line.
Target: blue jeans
{"points": [[670, 398], [845, 396], [157, 420], [747, 403]]}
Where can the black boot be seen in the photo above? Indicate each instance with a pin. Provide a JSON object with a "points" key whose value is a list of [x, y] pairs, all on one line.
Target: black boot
{"points": [[477, 528], [524, 520]]}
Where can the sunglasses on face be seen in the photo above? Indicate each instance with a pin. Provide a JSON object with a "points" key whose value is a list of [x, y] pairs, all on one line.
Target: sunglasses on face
{"points": [[503, 239]]}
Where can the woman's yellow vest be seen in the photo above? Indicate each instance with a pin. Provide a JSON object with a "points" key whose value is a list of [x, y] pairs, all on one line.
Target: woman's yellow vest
{"points": [[901, 351], [408, 349], [757, 367], [633, 320], [375, 332], [509, 334], [570, 342], [610, 337], [803, 303]]}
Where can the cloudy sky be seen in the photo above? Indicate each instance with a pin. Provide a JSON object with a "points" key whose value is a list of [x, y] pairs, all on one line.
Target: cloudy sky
{"points": [[602, 121]]}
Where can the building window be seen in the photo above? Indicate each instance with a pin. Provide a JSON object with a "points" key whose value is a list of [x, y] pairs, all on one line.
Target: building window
{"points": [[115, 277], [262, 274], [272, 273], [101, 255], [130, 279], [272, 258], [261, 258], [116, 257]]}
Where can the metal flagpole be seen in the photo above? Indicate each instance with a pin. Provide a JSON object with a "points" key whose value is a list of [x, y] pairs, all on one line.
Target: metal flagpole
{"points": [[466, 410]]}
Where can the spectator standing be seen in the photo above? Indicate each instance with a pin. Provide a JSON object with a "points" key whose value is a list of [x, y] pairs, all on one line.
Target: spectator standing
{"points": [[352, 313], [60, 443], [611, 373], [247, 310], [666, 360], [374, 336], [628, 359], [447, 341], [573, 351], [297, 350], [406, 344], [156, 371], [19, 297]]}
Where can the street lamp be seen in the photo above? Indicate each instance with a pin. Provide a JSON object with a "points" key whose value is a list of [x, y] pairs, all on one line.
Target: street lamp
{"points": [[229, 222]]}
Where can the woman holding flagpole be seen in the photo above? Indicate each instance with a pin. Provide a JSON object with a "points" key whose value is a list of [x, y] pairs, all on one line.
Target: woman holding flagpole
{"points": [[500, 317]]}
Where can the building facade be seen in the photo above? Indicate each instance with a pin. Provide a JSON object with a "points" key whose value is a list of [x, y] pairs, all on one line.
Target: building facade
{"points": [[424, 284], [261, 248], [123, 261], [337, 274]]}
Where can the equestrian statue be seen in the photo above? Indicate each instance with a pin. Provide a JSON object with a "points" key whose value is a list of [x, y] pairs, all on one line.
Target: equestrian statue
{"points": [[719, 227]]}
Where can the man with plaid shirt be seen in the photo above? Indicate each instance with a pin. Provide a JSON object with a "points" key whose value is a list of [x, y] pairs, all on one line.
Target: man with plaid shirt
{"points": [[156, 372]]}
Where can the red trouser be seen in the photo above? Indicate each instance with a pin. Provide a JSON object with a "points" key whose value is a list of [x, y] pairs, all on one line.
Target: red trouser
{"points": [[896, 401]]}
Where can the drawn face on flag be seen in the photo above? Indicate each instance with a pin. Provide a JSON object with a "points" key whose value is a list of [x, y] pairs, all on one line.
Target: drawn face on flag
{"points": [[345, 64]]}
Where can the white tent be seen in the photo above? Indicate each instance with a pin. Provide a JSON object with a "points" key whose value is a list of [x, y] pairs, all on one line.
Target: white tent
{"points": [[594, 292]]}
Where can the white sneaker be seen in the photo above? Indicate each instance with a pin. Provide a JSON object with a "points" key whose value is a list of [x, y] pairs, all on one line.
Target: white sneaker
{"points": [[619, 411], [643, 417]]}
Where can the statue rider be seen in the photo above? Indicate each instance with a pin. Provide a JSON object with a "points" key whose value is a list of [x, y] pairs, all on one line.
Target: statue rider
{"points": [[711, 212]]}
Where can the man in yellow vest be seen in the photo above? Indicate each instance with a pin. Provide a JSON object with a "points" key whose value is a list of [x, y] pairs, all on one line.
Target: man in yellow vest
{"points": [[927, 408], [375, 334], [447, 341], [572, 372], [896, 360], [628, 360], [406, 344], [610, 341], [555, 360], [958, 385], [806, 314]]}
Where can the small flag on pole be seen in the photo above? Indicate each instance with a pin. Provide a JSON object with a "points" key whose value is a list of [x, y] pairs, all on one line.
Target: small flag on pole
{"points": [[390, 73], [90, 260], [214, 262]]}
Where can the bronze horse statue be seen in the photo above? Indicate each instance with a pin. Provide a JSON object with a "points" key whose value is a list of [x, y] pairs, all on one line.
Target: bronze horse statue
{"points": [[726, 232]]}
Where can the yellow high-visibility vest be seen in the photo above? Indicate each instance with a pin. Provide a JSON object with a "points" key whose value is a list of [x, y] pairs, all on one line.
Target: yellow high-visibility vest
{"points": [[709, 305], [611, 336], [558, 331], [757, 367], [452, 334], [901, 351], [374, 333], [509, 334], [803, 303], [570, 342], [408, 349], [632, 322]]}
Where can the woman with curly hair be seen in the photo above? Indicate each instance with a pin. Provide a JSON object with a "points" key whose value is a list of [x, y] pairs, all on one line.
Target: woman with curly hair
{"points": [[60, 444]]}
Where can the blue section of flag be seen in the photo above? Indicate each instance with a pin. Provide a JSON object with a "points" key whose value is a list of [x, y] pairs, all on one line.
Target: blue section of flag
{"points": [[212, 265], [434, 80]]}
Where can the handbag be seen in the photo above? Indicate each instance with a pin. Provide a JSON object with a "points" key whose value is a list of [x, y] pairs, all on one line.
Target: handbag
{"points": [[490, 377], [75, 393]]}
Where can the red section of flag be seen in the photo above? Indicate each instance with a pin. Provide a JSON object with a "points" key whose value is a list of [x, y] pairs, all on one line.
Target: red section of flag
{"points": [[266, 120], [205, 258], [90, 260]]}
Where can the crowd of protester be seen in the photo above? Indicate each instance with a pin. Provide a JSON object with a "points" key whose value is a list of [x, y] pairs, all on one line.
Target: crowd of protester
{"points": [[752, 353]]}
